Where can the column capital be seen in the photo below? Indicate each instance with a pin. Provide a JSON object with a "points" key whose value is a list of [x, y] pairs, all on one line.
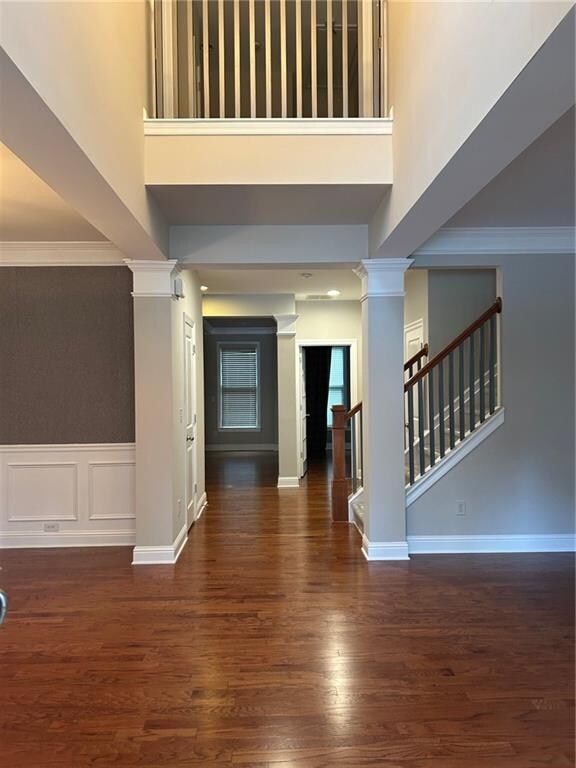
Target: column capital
{"points": [[382, 277], [286, 325], [152, 278]]}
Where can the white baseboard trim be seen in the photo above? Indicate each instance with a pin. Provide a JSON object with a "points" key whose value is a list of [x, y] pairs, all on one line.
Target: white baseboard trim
{"points": [[455, 456], [354, 497], [167, 555], [428, 545], [201, 505], [288, 482], [243, 447], [384, 550], [38, 540]]}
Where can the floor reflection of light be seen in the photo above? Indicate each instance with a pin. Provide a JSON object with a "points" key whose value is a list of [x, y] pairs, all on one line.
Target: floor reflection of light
{"points": [[337, 672]]}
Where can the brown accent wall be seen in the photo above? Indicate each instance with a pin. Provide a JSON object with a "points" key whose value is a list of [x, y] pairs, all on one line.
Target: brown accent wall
{"points": [[66, 355]]}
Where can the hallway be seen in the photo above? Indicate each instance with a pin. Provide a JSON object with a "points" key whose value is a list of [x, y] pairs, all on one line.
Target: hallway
{"points": [[273, 643]]}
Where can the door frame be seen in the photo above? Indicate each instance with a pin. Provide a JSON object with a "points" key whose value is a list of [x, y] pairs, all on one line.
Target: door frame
{"points": [[353, 346], [188, 321]]}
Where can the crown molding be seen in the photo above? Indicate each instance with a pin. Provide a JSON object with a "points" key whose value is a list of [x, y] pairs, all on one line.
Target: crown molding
{"points": [[479, 241], [60, 254], [152, 279], [339, 126], [382, 277], [286, 325]]}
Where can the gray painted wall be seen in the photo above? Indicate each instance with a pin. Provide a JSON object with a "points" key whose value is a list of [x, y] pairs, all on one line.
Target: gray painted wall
{"points": [[268, 433], [66, 355], [521, 479], [456, 297], [416, 298]]}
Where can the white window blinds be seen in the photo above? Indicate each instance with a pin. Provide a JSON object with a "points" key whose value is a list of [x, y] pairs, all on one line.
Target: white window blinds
{"points": [[238, 385]]}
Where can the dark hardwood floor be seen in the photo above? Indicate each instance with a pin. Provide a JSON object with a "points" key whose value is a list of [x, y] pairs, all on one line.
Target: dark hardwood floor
{"points": [[274, 643]]}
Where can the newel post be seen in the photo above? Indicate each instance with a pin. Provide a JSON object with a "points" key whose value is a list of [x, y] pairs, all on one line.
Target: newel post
{"points": [[339, 480]]}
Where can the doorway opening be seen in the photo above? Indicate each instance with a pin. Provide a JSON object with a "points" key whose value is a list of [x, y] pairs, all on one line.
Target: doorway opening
{"points": [[325, 380], [241, 401]]}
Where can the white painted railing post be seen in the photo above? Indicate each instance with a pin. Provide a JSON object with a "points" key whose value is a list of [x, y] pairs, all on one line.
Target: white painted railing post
{"points": [[192, 83], [365, 58], [169, 60]]}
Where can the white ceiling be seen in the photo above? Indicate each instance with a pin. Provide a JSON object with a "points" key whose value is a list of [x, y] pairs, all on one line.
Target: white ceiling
{"points": [[30, 210], [535, 190], [265, 204], [282, 281]]}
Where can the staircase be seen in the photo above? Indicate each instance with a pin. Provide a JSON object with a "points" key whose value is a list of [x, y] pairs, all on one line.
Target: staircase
{"points": [[451, 404]]}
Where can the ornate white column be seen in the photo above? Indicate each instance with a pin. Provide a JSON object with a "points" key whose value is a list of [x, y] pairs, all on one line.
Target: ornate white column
{"points": [[383, 408], [160, 529], [288, 447]]}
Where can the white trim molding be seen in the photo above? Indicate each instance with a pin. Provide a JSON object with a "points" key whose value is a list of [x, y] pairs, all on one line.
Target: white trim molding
{"points": [[286, 325], [32, 540], [288, 482], [201, 505], [152, 278], [60, 254], [269, 127], [167, 555], [455, 456], [67, 495], [477, 241], [355, 498], [382, 277], [504, 543], [384, 550]]}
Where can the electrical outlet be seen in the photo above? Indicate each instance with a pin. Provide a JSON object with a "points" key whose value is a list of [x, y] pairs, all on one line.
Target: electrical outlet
{"points": [[460, 509], [51, 527]]}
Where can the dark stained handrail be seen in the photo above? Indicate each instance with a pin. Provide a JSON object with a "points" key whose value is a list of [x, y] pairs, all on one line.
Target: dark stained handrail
{"points": [[353, 411], [496, 308], [422, 352]]}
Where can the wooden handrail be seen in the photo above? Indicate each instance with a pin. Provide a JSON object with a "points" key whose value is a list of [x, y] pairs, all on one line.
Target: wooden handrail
{"points": [[422, 352], [496, 308], [354, 411]]}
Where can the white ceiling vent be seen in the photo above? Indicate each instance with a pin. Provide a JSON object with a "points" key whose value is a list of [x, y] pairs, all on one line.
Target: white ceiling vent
{"points": [[318, 297]]}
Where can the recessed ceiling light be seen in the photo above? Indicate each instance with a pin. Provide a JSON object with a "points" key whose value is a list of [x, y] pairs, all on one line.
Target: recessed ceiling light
{"points": [[306, 274], [333, 292], [203, 288]]}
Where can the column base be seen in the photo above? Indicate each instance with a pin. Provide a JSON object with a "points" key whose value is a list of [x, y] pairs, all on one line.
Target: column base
{"points": [[384, 550], [288, 482], [161, 555]]}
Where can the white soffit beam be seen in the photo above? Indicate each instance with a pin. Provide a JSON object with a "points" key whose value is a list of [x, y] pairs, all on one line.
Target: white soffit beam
{"points": [[543, 91], [35, 134]]}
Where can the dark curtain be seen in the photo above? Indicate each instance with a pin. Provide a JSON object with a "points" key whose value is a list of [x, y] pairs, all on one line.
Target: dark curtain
{"points": [[317, 383]]}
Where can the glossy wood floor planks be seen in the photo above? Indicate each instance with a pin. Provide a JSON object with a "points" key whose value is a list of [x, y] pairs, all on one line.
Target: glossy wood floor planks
{"points": [[273, 643]]}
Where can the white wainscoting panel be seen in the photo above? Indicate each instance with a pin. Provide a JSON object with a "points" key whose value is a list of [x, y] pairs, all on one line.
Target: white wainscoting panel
{"points": [[42, 491], [111, 486], [67, 495]]}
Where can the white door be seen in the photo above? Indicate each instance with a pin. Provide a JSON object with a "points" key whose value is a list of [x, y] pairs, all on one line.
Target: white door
{"points": [[413, 338], [190, 420], [303, 416]]}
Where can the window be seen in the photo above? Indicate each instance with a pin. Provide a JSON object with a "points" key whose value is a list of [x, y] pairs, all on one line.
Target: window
{"points": [[337, 384], [238, 385]]}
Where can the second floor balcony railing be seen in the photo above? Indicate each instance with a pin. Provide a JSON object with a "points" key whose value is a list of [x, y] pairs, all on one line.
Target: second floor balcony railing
{"points": [[269, 59]]}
